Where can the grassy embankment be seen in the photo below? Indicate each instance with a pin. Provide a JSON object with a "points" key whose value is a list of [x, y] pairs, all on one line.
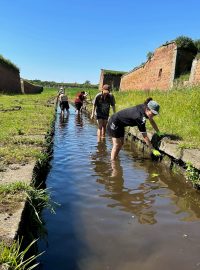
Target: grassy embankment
{"points": [[24, 122], [179, 114], [23, 130]]}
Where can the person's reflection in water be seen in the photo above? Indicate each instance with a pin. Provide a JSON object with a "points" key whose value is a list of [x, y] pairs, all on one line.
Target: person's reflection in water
{"points": [[100, 160], [79, 120], [63, 120], [137, 201]]}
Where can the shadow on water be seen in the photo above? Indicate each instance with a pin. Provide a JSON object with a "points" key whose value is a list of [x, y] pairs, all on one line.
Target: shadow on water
{"points": [[106, 207]]}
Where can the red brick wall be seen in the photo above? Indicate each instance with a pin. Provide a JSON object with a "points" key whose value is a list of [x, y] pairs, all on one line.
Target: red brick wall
{"points": [[9, 80], [147, 76], [195, 72]]}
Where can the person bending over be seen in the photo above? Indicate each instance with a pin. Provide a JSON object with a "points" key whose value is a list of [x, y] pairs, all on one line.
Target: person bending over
{"points": [[134, 116], [79, 101]]}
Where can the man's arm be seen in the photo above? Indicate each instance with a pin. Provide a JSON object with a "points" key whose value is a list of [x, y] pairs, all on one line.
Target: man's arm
{"points": [[93, 110], [146, 139]]}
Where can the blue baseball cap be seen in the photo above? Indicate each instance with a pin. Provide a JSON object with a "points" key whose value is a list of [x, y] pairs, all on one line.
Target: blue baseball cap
{"points": [[153, 106]]}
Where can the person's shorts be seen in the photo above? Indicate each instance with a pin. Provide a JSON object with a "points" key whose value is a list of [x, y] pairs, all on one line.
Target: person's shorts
{"points": [[64, 105], [78, 105], [114, 130]]}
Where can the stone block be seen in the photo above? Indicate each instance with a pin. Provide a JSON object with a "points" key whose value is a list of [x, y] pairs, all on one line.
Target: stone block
{"points": [[192, 156], [170, 148]]}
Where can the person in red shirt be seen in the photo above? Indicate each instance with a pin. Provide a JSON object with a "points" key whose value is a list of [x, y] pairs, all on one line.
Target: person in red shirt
{"points": [[79, 101]]}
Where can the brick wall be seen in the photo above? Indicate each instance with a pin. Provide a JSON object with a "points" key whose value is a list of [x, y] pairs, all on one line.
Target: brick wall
{"points": [[9, 80], [28, 88], [195, 72], [157, 73]]}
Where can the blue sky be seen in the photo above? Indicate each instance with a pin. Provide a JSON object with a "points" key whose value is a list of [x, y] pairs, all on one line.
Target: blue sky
{"points": [[70, 41]]}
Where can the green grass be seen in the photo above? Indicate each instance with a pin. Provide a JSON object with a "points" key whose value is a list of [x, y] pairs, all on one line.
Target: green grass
{"points": [[22, 131], [13, 258]]}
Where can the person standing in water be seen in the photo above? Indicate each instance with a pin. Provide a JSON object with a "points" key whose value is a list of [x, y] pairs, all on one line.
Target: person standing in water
{"points": [[63, 102], [78, 102], [101, 109], [134, 116]]}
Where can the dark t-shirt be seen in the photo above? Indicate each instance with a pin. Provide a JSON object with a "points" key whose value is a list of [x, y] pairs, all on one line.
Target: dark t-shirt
{"points": [[103, 104], [134, 116]]}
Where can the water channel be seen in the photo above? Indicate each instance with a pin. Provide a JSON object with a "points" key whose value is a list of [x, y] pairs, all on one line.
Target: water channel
{"points": [[132, 214]]}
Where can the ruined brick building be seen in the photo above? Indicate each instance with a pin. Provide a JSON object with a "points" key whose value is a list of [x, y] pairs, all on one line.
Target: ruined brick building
{"points": [[162, 69], [110, 77]]}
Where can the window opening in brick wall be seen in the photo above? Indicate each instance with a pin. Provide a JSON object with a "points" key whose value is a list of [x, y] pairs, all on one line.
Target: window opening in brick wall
{"points": [[160, 73]]}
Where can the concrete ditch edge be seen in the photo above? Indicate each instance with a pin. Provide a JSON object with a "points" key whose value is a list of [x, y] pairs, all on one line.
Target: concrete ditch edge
{"points": [[170, 149], [10, 222]]}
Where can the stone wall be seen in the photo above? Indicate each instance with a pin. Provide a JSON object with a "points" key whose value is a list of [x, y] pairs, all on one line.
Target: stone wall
{"points": [[195, 72], [156, 73], [9, 80], [28, 88]]}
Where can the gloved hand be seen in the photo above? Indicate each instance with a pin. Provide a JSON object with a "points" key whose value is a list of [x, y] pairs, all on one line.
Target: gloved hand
{"points": [[156, 153]]}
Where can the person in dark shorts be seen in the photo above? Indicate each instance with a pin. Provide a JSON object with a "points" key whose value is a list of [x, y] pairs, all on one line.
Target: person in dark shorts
{"points": [[79, 101], [101, 109], [63, 102], [134, 116]]}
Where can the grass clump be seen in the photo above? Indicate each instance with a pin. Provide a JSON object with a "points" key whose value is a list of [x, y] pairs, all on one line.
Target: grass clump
{"points": [[193, 175], [18, 191], [13, 258]]}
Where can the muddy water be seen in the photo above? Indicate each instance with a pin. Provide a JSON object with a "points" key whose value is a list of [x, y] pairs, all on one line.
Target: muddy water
{"points": [[133, 214]]}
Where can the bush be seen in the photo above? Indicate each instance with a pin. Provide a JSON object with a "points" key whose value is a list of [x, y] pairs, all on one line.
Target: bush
{"points": [[185, 43]]}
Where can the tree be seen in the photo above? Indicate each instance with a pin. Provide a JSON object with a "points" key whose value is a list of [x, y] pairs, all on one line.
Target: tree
{"points": [[149, 55], [87, 82]]}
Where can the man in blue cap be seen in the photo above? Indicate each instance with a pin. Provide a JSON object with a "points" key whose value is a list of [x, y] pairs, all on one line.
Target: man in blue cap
{"points": [[134, 116]]}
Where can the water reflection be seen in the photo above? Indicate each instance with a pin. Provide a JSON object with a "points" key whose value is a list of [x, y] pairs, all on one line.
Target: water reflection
{"points": [[166, 184], [137, 201], [79, 120], [63, 120]]}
